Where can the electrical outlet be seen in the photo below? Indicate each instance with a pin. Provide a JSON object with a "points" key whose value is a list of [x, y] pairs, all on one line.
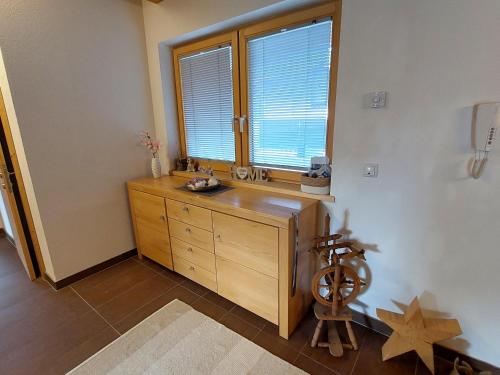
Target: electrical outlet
{"points": [[370, 170], [375, 99]]}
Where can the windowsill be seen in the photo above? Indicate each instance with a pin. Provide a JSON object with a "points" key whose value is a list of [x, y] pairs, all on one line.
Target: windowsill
{"points": [[273, 186]]}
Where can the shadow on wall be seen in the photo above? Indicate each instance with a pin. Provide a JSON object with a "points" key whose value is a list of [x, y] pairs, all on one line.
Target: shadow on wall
{"points": [[427, 299], [463, 144], [346, 232], [360, 267]]}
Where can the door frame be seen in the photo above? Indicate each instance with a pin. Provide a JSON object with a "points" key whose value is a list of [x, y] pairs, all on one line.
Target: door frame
{"points": [[18, 200]]}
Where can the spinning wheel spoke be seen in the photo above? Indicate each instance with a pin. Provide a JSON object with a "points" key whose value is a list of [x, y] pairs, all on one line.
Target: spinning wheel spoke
{"points": [[347, 285], [327, 292]]}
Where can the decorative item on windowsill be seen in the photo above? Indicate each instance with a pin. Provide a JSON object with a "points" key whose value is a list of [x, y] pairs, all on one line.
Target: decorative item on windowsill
{"points": [[190, 165], [153, 146], [414, 332], [249, 173], [334, 287], [181, 163], [207, 170], [317, 179]]}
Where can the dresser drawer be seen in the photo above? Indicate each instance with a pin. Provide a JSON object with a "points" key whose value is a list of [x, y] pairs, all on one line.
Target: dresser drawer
{"points": [[248, 288], [194, 254], [246, 242], [189, 214], [195, 273], [192, 235]]}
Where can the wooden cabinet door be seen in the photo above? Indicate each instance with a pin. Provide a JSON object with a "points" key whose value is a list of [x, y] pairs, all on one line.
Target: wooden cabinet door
{"points": [[248, 288], [151, 228], [151, 210], [246, 242], [154, 244]]}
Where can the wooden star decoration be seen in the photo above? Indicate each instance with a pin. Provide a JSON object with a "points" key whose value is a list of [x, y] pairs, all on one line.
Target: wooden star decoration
{"points": [[414, 332]]}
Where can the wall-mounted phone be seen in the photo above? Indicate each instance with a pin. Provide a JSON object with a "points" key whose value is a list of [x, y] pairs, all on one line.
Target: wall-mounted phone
{"points": [[485, 122]]}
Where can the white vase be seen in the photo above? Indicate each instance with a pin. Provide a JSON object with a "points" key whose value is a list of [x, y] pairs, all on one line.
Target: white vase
{"points": [[156, 167]]}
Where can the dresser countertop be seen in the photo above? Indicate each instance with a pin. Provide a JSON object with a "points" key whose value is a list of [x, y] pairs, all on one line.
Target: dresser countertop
{"points": [[272, 208]]}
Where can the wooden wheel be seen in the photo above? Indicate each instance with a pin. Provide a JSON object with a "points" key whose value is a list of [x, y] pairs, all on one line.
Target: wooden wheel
{"points": [[325, 291]]}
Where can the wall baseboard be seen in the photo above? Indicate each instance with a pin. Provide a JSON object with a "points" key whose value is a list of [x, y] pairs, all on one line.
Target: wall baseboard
{"points": [[440, 351], [89, 271]]}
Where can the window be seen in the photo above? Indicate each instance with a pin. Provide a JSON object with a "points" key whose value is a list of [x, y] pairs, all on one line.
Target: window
{"points": [[288, 81], [277, 75], [207, 103]]}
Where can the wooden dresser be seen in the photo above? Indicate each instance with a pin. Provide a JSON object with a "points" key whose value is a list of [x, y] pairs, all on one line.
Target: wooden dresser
{"points": [[249, 246]]}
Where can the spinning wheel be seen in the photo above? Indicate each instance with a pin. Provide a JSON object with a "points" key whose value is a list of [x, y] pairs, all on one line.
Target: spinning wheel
{"points": [[324, 287], [334, 287]]}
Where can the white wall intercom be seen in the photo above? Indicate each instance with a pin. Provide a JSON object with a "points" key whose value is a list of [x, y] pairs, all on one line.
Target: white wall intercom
{"points": [[485, 122]]}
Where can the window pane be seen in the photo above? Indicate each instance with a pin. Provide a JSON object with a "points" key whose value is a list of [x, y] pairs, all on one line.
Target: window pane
{"points": [[288, 78], [207, 100]]}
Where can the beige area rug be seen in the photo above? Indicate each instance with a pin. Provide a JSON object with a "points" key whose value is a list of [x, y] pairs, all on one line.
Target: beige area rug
{"points": [[180, 340]]}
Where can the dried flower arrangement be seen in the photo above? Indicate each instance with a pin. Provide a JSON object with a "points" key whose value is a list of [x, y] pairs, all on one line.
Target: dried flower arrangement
{"points": [[151, 144]]}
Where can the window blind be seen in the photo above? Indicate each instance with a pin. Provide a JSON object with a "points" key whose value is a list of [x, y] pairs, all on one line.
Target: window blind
{"points": [[207, 101], [288, 80]]}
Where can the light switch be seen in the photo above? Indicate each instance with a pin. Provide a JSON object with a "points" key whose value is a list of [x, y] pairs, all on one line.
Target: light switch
{"points": [[370, 170]]}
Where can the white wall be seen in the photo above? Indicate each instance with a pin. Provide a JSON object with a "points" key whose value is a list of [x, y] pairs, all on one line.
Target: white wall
{"points": [[435, 229], [78, 75], [172, 22]]}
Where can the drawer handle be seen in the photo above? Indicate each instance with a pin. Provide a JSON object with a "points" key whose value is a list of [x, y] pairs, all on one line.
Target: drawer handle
{"points": [[185, 209], [188, 230], [163, 217], [218, 237], [190, 249], [295, 253], [191, 268]]}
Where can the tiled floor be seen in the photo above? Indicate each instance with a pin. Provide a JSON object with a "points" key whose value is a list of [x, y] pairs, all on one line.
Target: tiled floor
{"points": [[47, 332]]}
